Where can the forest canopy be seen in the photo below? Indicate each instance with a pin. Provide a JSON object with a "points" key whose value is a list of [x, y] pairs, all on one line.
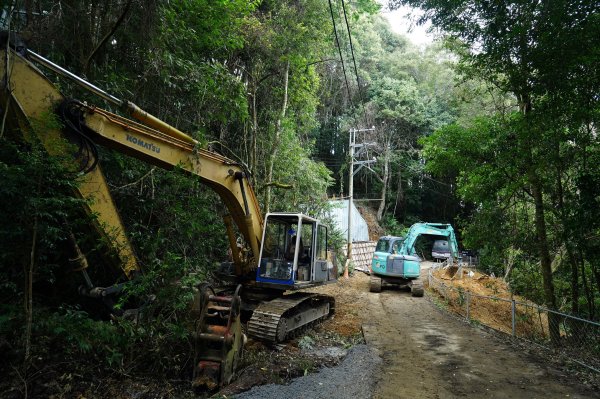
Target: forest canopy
{"points": [[493, 128]]}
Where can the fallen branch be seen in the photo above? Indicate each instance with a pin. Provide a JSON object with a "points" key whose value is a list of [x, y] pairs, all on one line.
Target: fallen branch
{"points": [[279, 185], [107, 36]]}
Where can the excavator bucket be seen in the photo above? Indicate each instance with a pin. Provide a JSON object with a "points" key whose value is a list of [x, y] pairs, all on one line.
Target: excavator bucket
{"points": [[219, 339], [451, 270]]}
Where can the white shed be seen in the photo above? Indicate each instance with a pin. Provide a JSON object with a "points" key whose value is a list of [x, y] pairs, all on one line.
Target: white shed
{"points": [[339, 214]]}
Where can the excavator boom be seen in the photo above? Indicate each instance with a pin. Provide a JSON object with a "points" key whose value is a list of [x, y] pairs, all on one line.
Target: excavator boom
{"points": [[167, 148], [441, 230]]}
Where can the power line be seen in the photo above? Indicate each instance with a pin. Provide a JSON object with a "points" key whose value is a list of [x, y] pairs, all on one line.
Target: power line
{"points": [[337, 41], [439, 193], [360, 93]]}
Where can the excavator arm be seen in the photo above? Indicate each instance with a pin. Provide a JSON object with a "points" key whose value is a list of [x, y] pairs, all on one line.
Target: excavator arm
{"points": [[28, 96], [432, 229]]}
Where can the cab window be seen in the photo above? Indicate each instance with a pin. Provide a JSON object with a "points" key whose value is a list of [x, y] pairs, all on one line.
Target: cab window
{"points": [[322, 243], [396, 247], [383, 245]]}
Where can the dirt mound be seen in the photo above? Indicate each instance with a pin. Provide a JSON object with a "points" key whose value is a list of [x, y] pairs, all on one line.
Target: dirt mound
{"points": [[370, 216], [490, 302], [350, 297], [475, 282]]}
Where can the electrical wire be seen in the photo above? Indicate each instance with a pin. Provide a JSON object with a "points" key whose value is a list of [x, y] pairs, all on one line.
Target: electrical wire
{"points": [[360, 93], [337, 41], [420, 172]]}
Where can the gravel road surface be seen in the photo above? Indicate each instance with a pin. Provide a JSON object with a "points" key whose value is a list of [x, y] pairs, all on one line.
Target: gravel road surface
{"points": [[352, 378]]}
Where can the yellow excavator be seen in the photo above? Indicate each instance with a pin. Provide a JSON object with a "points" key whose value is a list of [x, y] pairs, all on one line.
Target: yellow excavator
{"points": [[283, 252]]}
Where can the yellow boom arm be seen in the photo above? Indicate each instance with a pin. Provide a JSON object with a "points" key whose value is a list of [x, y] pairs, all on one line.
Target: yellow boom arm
{"points": [[29, 95]]}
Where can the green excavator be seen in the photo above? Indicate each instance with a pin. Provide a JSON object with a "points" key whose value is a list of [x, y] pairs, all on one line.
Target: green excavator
{"points": [[395, 261]]}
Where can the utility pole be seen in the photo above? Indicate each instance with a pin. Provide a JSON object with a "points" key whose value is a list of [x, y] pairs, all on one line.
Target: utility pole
{"points": [[352, 138], [351, 145]]}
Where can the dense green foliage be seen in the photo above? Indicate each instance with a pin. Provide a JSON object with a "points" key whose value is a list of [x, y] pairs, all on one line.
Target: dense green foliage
{"points": [[36, 190], [405, 92], [495, 131], [241, 77], [532, 172]]}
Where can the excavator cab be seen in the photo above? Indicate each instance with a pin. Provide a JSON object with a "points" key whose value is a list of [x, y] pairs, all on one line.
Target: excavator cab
{"points": [[294, 252]]}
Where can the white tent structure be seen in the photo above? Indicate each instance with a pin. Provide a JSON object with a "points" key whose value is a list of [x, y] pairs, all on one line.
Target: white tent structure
{"points": [[339, 215], [362, 248]]}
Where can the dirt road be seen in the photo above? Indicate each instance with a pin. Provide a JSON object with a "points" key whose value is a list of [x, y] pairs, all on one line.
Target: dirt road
{"points": [[414, 350], [429, 354]]}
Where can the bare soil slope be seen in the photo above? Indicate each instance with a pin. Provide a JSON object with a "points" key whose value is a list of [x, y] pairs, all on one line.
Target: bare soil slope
{"points": [[370, 216], [492, 313]]}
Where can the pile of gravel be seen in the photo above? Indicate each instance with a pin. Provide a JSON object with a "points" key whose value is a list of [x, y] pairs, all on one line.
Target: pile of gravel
{"points": [[352, 378]]}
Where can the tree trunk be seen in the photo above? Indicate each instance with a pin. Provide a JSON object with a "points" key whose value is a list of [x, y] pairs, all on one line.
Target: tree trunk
{"points": [[560, 212], [545, 260], [574, 282], [400, 192], [510, 262], [384, 181], [588, 292], [254, 150], [110, 33], [277, 138], [28, 12], [525, 107], [29, 295], [596, 272]]}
